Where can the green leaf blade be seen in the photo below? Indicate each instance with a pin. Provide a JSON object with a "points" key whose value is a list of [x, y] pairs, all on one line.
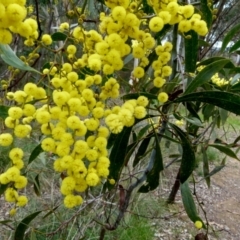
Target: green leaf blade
{"points": [[3, 112], [188, 203], [36, 151], [58, 36], [188, 156], [153, 175], [191, 51], [9, 57], [205, 75], [229, 36], [23, 226], [225, 100], [224, 149], [118, 153]]}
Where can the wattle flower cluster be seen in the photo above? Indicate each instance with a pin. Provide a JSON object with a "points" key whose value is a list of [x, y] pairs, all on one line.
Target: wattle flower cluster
{"points": [[13, 15], [170, 12], [77, 112]]}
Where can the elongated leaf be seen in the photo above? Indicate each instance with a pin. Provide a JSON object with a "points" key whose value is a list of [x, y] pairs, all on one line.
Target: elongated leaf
{"points": [[143, 131], [194, 121], [225, 100], [152, 181], [206, 12], [136, 95], [58, 36], [50, 212], [23, 226], [224, 149], [141, 150], [235, 46], [206, 167], [3, 111], [188, 155], [208, 111], [36, 151], [3, 187], [229, 36], [191, 51], [205, 75], [189, 203], [210, 60], [214, 171], [5, 221], [118, 153], [9, 57], [130, 150], [36, 186]]}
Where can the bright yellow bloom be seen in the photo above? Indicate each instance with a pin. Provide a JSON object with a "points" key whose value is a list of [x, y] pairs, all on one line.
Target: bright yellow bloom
{"points": [[22, 131], [92, 179], [46, 39], [48, 145], [6, 139], [16, 153], [20, 182], [140, 112], [71, 201], [156, 24], [11, 195], [142, 101], [138, 72], [198, 224], [162, 97], [15, 112], [22, 201]]}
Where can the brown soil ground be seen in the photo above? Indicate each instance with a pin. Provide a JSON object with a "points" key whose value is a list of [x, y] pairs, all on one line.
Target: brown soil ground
{"points": [[221, 202]]}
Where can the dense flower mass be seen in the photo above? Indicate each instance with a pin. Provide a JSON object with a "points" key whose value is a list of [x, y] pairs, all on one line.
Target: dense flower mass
{"points": [[13, 20], [76, 113]]}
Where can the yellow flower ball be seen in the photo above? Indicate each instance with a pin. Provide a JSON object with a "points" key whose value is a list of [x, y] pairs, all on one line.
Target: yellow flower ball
{"points": [[118, 13], [13, 212], [91, 155], [6, 139], [11, 195], [140, 112], [138, 72], [142, 101], [162, 97], [198, 224], [46, 39], [62, 149], [12, 173], [156, 24], [29, 110], [20, 182], [48, 145], [15, 112], [16, 153], [92, 124], [112, 181], [5, 36], [22, 131], [159, 82], [43, 117], [103, 132], [4, 179], [92, 179], [73, 122], [100, 142], [70, 201], [22, 201], [15, 13], [71, 49]]}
